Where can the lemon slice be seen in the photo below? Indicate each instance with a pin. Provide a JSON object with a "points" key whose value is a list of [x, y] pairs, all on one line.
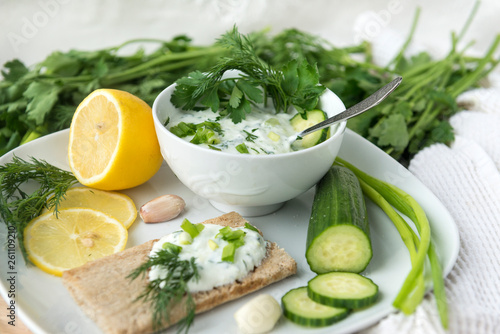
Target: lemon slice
{"points": [[117, 205], [112, 141], [76, 236]]}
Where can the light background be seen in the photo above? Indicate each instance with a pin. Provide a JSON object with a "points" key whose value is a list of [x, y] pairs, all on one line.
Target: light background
{"points": [[32, 29]]}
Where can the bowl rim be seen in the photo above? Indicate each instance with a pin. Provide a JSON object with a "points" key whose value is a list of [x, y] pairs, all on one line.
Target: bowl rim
{"points": [[158, 124]]}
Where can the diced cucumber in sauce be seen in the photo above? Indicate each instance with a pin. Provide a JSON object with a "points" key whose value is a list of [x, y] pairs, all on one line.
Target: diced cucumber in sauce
{"points": [[300, 309], [299, 124], [340, 289]]}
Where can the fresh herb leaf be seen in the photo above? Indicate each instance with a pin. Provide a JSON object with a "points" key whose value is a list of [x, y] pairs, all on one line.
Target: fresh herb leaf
{"points": [[42, 97], [251, 90], [14, 70], [235, 98], [391, 131]]}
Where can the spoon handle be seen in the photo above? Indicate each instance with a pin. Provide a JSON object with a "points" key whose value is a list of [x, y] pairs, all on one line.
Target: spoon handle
{"points": [[358, 108]]}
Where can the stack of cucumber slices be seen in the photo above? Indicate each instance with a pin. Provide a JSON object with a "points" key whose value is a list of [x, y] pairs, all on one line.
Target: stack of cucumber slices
{"points": [[338, 249], [328, 298]]}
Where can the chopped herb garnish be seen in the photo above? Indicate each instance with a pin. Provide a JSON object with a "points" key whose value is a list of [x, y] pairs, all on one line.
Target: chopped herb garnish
{"points": [[235, 239], [204, 133], [192, 229], [214, 148], [226, 233], [166, 121], [228, 252], [266, 152], [255, 150], [183, 129], [164, 292], [205, 136], [250, 137], [251, 227], [242, 148], [172, 247]]}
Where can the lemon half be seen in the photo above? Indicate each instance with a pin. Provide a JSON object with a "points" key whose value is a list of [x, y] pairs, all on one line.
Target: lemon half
{"points": [[112, 141]]}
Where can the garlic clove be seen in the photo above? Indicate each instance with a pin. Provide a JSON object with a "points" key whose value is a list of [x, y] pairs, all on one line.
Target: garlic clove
{"points": [[162, 209], [259, 315]]}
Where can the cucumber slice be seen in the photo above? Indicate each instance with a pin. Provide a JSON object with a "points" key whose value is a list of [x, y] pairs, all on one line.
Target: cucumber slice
{"points": [[338, 236], [312, 117], [339, 289], [302, 310]]}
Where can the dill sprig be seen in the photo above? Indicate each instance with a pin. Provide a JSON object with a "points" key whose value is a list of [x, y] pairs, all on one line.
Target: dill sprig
{"points": [[295, 84], [165, 292], [17, 207]]}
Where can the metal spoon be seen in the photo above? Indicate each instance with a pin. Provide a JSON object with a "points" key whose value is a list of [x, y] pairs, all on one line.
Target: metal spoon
{"points": [[358, 108]]}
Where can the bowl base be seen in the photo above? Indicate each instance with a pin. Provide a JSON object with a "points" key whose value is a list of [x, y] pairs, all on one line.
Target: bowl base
{"points": [[247, 211]]}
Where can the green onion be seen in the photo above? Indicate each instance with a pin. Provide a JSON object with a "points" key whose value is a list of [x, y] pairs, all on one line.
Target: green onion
{"points": [[226, 233], [228, 252], [390, 198], [251, 227], [172, 247], [235, 239], [242, 148], [190, 228]]}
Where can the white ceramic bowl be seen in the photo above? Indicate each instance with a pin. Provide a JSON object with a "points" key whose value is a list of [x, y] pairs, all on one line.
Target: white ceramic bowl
{"points": [[252, 185]]}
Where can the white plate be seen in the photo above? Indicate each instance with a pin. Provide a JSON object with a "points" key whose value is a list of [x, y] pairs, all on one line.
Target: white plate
{"points": [[46, 307]]}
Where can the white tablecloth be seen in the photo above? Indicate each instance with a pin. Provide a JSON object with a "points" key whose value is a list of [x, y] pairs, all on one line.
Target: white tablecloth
{"points": [[464, 176]]}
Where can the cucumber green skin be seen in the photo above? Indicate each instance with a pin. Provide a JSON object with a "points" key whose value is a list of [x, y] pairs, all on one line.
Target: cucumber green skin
{"points": [[350, 303], [310, 322], [338, 201]]}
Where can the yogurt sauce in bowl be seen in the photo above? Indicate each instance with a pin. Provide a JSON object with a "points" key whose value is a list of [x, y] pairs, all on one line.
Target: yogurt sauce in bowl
{"points": [[262, 132]]}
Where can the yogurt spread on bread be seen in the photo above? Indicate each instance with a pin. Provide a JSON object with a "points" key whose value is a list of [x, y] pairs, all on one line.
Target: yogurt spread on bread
{"points": [[208, 248]]}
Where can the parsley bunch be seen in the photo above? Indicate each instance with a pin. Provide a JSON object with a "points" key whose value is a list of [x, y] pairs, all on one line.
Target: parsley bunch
{"points": [[38, 100], [296, 84]]}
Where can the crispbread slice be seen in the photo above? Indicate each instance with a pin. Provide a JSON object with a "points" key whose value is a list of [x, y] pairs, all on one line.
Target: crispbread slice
{"points": [[101, 288]]}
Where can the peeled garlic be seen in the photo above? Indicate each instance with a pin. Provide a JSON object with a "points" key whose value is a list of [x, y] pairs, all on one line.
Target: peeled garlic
{"points": [[162, 209], [259, 315]]}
